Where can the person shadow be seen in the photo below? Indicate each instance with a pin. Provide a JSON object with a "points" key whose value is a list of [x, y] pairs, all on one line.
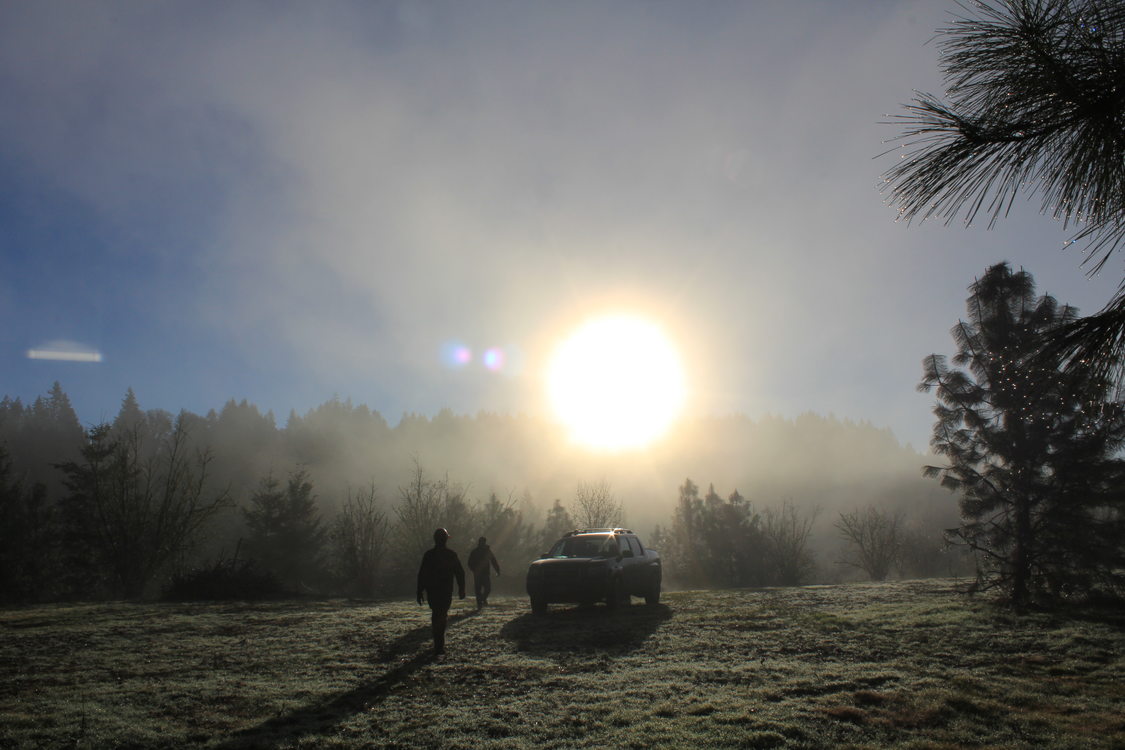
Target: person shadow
{"points": [[319, 718], [562, 634]]}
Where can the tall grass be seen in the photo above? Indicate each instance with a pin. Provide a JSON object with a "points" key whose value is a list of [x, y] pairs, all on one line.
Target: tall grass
{"points": [[905, 664]]}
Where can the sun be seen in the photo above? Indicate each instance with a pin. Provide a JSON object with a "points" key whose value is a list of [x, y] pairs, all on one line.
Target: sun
{"points": [[616, 383]]}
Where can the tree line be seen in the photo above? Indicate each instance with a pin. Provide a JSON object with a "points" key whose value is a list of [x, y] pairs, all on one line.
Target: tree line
{"points": [[730, 542], [140, 504], [147, 504]]}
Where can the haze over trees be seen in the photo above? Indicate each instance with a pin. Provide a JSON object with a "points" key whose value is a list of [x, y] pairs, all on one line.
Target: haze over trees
{"points": [[339, 500]]}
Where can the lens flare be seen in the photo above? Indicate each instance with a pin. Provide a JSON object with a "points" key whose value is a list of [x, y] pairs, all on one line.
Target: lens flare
{"points": [[455, 354], [494, 359], [65, 351]]}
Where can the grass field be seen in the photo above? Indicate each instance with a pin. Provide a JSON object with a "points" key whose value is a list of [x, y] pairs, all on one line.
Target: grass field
{"points": [[907, 664]]}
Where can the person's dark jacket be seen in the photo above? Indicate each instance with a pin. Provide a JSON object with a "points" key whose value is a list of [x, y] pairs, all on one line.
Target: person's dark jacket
{"points": [[479, 560], [440, 565]]}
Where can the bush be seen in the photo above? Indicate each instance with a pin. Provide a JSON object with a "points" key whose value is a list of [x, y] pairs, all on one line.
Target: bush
{"points": [[225, 580]]}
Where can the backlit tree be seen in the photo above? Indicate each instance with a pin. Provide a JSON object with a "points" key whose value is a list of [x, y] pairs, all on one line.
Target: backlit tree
{"points": [[1030, 451], [136, 505], [286, 537]]}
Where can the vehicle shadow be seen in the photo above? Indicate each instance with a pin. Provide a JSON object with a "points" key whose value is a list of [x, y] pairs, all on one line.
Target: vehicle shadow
{"points": [[318, 718], [564, 632]]}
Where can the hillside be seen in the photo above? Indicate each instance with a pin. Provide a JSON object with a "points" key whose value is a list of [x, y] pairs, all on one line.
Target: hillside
{"points": [[906, 664]]}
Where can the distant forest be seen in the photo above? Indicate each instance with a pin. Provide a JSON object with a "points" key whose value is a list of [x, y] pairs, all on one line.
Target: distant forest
{"points": [[337, 500]]}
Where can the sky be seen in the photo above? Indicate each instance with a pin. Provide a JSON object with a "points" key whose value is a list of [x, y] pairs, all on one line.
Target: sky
{"points": [[409, 204]]}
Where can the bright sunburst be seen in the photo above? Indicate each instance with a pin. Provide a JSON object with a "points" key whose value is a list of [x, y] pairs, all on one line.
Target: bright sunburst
{"points": [[616, 382]]}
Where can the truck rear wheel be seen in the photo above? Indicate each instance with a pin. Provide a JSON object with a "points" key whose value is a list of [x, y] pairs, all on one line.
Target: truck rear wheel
{"points": [[653, 597], [538, 606]]}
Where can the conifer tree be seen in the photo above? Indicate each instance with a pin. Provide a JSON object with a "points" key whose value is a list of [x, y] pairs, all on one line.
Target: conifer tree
{"points": [[286, 536], [1031, 452], [130, 416], [28, 543], [557, 523]]}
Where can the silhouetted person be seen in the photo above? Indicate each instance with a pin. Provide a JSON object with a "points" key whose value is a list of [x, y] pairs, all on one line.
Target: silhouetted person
{"points": [[440, 566], [481, 560]]}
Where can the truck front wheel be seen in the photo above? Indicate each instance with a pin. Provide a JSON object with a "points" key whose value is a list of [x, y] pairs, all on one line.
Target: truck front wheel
{"points": [[616, 596]]}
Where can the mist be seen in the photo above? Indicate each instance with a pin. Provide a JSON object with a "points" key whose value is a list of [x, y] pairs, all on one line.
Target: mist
{"points": [[488, 467]]}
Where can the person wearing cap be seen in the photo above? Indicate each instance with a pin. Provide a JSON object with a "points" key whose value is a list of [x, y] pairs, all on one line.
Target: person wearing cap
{"points": [[440, 566], [481, 560]]}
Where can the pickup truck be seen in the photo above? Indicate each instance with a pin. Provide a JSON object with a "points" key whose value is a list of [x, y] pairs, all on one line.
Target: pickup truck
{"points": [[593, 565]]}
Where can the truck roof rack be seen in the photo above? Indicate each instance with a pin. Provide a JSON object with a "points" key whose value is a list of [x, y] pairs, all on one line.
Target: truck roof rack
{"points": [[613, 530]]}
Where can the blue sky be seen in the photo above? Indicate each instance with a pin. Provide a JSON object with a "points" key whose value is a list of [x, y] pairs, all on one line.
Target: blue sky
{"points": [[286, 202]]}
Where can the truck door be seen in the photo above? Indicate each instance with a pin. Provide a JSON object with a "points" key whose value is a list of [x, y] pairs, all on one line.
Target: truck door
{"points": [[628, 563], [638, 570]]}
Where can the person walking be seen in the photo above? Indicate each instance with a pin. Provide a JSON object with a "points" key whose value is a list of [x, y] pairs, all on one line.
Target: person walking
{"points": [[440, 566], [481, 560]]}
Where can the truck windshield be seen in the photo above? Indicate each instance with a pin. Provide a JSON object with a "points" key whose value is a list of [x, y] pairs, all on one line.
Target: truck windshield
{"points": [[578, 546]]}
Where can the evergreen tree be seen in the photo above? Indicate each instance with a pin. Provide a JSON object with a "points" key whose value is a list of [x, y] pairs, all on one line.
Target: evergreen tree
{"points": [[285, 533], [557, 523], [1031, 452], [129, 417], [60, 412], [246, 442], [714, 541], [732, 554], [687, 539], [27, 539], [39, 436]]}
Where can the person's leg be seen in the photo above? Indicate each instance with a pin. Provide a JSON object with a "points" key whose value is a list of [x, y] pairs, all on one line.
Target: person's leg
{"points": [[479, 584], [438, 621], [439, 616], [486, 589]]}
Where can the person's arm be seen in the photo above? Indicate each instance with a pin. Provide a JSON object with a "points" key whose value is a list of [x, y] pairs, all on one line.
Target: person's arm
{"points": [[421, 578], [460, 573], [495, 564]]}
